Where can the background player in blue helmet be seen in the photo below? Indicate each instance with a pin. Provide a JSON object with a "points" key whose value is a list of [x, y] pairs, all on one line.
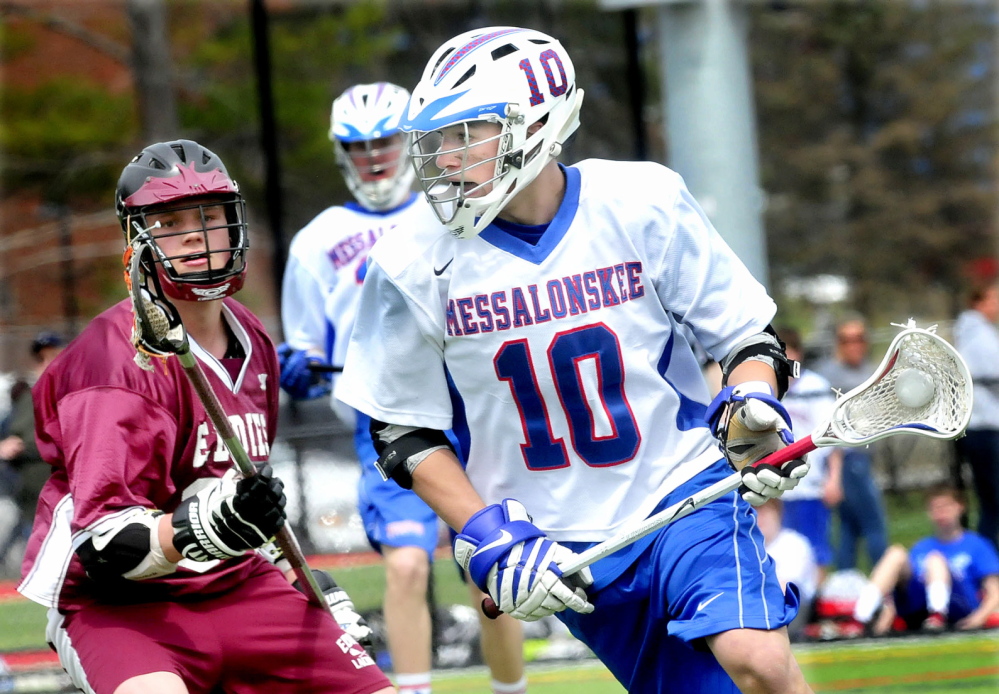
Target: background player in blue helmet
{"points": [[541, 326], [322, 282]]}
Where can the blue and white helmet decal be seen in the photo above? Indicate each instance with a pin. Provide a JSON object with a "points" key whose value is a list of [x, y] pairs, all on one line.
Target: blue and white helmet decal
{"points": [[519, 79], [379, 177]]}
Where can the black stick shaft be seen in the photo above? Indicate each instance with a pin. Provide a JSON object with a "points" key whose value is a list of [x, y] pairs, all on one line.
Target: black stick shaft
{"points": [[325, 368]]}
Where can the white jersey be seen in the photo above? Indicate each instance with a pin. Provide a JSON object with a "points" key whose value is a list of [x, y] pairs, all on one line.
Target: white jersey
{"points": [[326, 265], [559, 365], [978, 342], [809, 401]]}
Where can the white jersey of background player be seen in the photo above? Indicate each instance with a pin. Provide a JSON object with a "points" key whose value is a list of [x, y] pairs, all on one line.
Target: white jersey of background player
{"points": [[542, 329], [323, 277], [326, 259], [810, 400]]}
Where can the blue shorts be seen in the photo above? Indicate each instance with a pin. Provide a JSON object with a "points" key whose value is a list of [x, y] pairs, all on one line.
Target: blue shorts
{"points": [[393, 516], [810, 517], [704, 574], [910, 604]]}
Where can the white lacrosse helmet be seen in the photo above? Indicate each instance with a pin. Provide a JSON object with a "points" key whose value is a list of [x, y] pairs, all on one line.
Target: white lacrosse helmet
{"points": [[380, 178], [504, 75]]}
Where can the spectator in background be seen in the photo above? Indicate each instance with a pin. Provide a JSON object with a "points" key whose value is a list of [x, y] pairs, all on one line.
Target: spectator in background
{"points": [[861, 511], [977, 339], [948, 579], [793, 558], [809, 400], [18, 448]]}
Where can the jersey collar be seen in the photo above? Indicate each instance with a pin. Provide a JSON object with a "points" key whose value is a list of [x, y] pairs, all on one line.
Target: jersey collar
{"points": [[557, 228], [358, 207]]}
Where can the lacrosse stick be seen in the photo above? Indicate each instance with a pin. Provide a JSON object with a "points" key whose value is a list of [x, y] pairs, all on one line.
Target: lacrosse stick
{"points": [[922, 386], [159, 332]]}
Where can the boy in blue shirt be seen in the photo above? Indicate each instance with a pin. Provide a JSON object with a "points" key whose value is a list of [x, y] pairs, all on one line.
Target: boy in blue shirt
{"points": [[947, 580]]}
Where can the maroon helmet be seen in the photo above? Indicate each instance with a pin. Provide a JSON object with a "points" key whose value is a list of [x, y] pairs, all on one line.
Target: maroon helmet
{"points": [[182, 175]]}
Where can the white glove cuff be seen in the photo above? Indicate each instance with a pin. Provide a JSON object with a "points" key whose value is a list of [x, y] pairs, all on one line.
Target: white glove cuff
{"points": [[752, 387]]}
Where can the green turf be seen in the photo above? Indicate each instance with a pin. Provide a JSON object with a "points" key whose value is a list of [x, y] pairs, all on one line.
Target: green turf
{"points": [[366, 584], [946, 663], [22, 625], [958, 663], [577, 678]]}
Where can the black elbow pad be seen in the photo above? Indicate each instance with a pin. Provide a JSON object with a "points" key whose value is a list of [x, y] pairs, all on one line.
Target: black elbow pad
{"points": [[398, 457]]}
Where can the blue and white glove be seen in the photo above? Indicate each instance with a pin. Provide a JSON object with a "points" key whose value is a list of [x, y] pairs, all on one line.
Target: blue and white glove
{"points": [[513, 561], [297, 379], [751, 424]]}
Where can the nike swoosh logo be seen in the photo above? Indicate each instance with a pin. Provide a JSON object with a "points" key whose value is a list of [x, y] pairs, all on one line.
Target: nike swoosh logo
{"points": [[441, 271], [505, 538], [702, 605]]}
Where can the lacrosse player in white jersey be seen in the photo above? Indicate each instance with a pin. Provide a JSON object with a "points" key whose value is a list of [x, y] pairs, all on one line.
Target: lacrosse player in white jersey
{"points": [[321, 288], [541, 326]]}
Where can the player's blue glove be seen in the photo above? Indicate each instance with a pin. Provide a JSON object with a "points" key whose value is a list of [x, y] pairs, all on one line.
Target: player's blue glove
{"points": [[510, 558], [751, 424], [297, 379]]}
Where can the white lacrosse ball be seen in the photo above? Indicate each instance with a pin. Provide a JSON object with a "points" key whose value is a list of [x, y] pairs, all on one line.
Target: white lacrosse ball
{"points": [[914, 388]]}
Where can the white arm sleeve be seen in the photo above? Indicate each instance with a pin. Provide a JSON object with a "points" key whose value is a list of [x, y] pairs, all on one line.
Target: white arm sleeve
{"points": [[393, 333], [701, 280], [303, 303]]}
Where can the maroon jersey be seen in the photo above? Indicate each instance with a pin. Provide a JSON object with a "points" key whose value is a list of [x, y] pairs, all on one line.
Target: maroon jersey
{"points": [[118, 436]]}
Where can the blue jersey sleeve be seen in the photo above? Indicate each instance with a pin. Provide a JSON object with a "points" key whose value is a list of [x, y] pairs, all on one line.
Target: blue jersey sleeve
{"points": [[985, 559]]}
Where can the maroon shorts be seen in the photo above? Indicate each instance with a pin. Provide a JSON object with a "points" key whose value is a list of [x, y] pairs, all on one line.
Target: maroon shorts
{"points": [[264, 636]]}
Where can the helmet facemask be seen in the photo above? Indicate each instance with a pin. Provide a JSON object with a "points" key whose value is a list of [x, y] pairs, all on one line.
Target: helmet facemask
{"points": [[181, 188], [450, 190], [519, 79], [224, 264], [364, 168]]}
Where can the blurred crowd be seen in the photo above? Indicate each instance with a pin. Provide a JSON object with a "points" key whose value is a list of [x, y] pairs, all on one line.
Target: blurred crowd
{"points": [[949, 578], [22, 470]]}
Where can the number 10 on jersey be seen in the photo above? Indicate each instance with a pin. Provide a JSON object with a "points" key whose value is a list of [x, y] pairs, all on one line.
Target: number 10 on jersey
{"points": [[566, 353]]}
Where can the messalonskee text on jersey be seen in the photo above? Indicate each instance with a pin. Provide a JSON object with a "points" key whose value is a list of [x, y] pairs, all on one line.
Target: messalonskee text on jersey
{"points": [[354, 245], [539, 303]]}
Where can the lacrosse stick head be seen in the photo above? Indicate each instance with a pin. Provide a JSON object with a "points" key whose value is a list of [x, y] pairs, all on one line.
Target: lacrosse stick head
{"points": [[158, 330], [922, 386]]}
